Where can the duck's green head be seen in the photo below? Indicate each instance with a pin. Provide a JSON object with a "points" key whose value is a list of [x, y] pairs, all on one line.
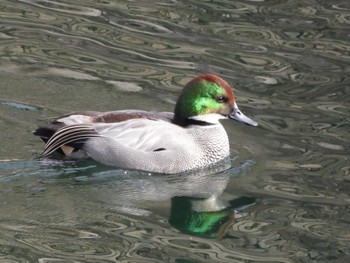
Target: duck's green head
{"points": [[208, 98]]}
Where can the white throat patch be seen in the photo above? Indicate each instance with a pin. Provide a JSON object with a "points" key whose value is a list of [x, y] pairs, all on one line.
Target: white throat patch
{"points": [[212, 118]]}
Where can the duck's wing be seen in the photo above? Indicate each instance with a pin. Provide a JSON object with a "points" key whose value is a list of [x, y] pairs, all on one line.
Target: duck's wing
{"points": [[138, 135], [91, 117], [67, 134], [124, 115]]}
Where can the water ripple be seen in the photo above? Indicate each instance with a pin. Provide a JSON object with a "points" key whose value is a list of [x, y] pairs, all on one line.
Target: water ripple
{"points": [[140, 26], [65, 8]]}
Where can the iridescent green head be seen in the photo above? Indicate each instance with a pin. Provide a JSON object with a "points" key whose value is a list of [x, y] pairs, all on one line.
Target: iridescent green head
{"points": [[207, 98], [204, 94]]}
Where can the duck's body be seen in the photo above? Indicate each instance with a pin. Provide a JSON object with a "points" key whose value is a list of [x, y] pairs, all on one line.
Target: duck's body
{"points": [[162, 142]]}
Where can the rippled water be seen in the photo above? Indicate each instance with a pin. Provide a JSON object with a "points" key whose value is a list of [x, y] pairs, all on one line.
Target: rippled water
{"points": [[286, 197]]}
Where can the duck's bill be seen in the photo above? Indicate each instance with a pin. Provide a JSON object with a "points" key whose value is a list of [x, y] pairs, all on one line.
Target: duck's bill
{"points": [[239, 116]]}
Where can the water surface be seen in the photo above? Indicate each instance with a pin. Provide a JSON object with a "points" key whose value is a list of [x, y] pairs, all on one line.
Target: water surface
{"points": [[285, 197]]}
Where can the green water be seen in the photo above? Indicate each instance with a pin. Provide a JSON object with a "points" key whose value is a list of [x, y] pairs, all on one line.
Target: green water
{"points": [[285, 197]]}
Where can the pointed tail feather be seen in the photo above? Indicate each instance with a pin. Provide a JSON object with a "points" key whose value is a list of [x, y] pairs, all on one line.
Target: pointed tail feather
{"points": [[69, 135]]}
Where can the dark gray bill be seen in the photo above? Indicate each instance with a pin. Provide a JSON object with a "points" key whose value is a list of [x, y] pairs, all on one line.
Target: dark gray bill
{"points": [[239, 116]]}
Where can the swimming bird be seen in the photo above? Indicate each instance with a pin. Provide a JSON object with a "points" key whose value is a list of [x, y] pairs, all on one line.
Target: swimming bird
{"points": [[190, 138]]}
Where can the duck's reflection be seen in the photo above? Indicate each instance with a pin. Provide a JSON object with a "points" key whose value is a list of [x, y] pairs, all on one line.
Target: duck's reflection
{"points": [[196, 205], [209, 217]]}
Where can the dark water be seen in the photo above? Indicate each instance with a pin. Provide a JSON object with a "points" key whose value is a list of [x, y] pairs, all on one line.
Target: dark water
{"points": [[286, 196]]}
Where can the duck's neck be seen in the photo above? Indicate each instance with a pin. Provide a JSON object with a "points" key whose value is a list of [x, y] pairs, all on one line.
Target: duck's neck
{"points": [[188, 122], [201, 120]]}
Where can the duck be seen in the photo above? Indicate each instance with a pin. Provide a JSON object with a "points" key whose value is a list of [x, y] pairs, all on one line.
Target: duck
{"points": [[189, 138]]}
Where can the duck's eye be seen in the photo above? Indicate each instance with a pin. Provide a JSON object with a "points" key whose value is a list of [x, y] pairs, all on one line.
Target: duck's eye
{"points": [[221, 99]]}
